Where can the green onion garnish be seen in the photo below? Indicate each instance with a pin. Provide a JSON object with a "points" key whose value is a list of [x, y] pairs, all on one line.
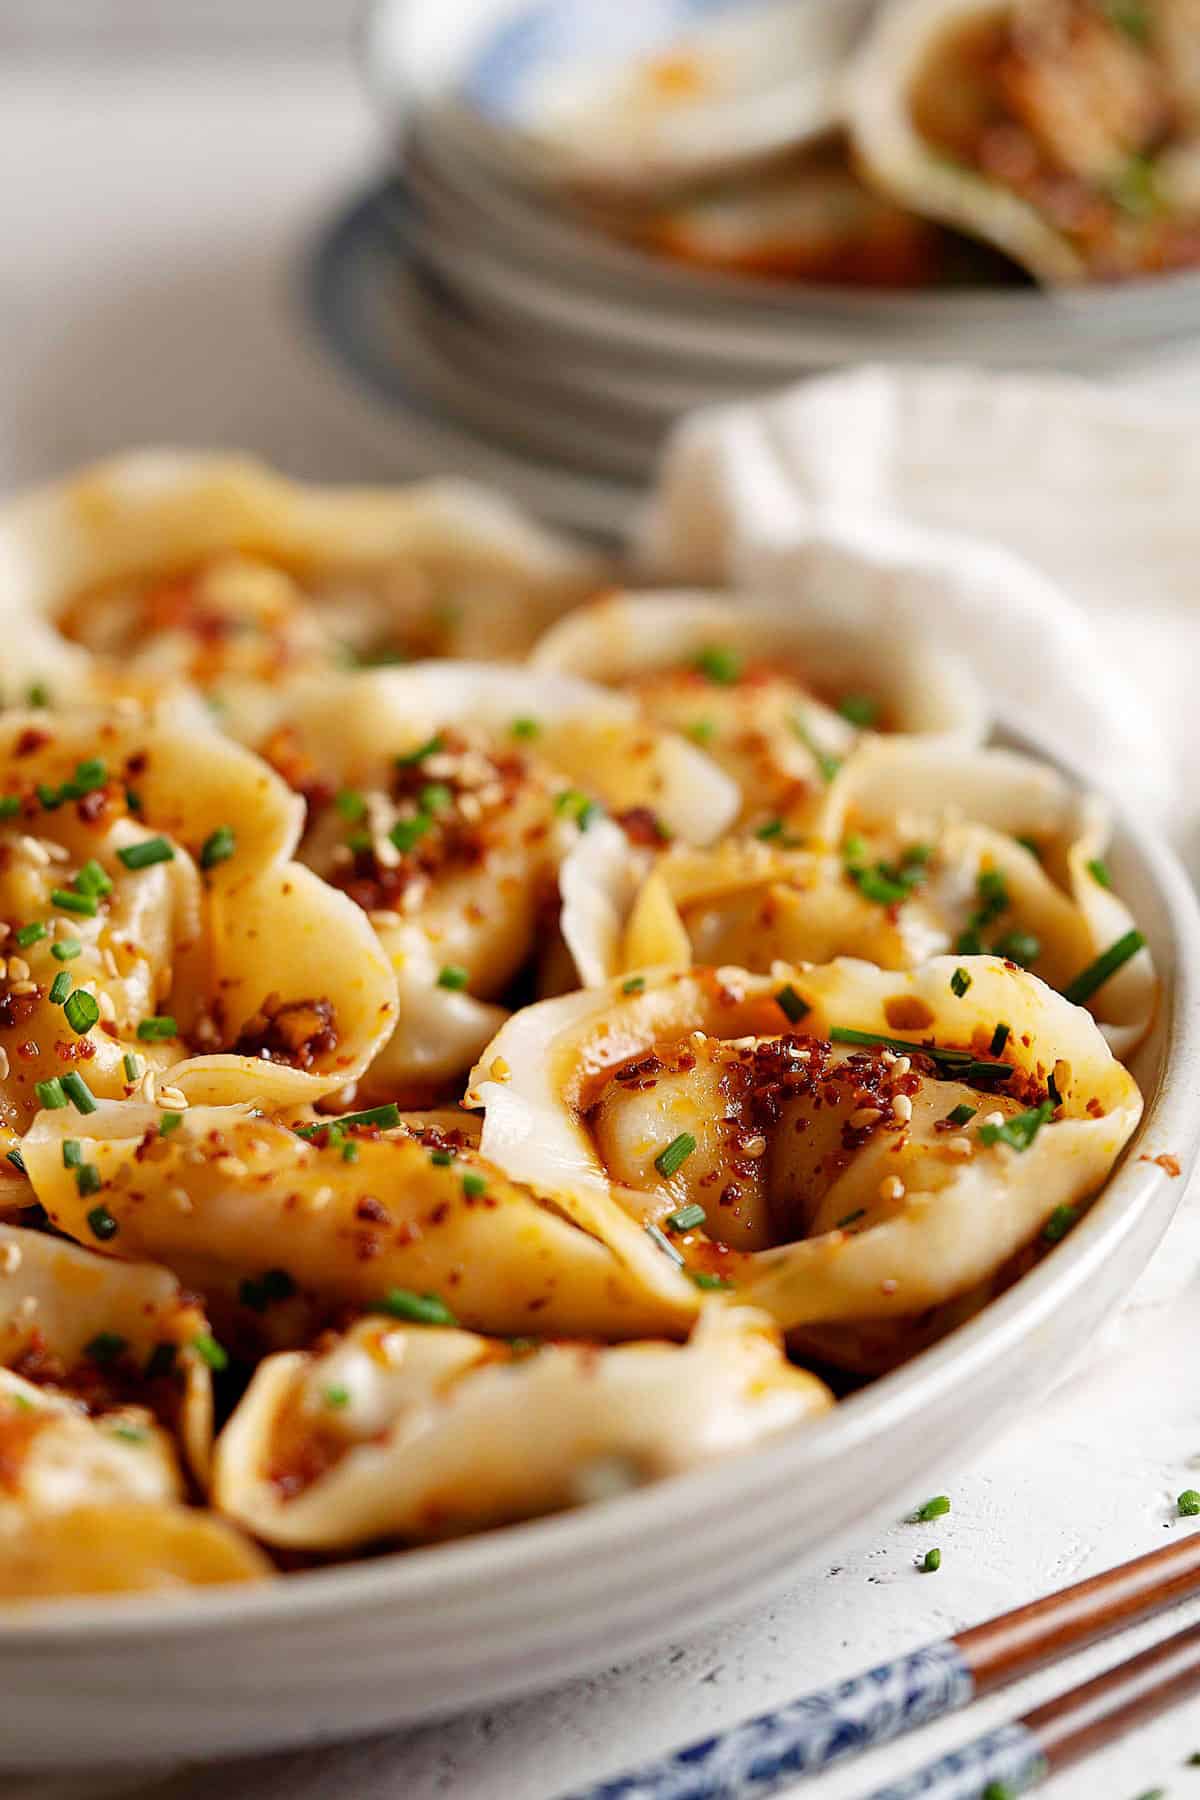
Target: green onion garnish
{"points": [[105, 1346], [169, 1122], [664, 1244], [826, 762], [17, 1160], [66, 949], [859, 709], [474, 1186], [385, 1117], [418, 1309], [60, 987], [10, 804], [160, 1361], [1019, 1132], [961, 1063], [999, 1038], [78, 1092], [132, 1065], [1018, 946], [209, 1351], [50, 1093], [1059, 1223], [961, 1115], [1099, 871], [441, 1159], [687, 1218], [39, 694], [30, 934], [350, 1151], [147, 853], [88, 1181], [932, 1509], [703, 1279], [435, 797], [525, 728], [578, 806], [452, 976], [337, 1397], [634, 985], [351, 804], [158, 1029], [430, 747], [668, 1162], [701, 731], [960, 981], [218, 846], [406, 833], [92, 879], [86, 905], [860, 1212], [50, 797], [90, 775], [1098, 972], [719, 664], [82, 1012], [1189, 1503], [792, 1005], [72, 1153], [931, 1562], [100, 1220]]}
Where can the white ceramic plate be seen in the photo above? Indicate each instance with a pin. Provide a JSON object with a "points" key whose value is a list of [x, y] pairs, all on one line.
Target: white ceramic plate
{"points": [[410, 1636]]}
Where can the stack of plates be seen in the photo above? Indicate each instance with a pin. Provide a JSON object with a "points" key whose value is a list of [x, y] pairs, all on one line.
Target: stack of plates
{"points": [[540, 351]]}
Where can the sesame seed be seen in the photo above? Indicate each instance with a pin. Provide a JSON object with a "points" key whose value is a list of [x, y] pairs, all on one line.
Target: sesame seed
{"points": [[993, 1118], [958, 1146], [18, 969]]}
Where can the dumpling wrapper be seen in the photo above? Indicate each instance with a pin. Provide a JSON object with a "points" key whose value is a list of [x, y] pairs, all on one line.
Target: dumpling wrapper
{"points": [[421, 1433], [296, 573], [962, 1207], [217, 950], [119, 1549], [229, 1197]]}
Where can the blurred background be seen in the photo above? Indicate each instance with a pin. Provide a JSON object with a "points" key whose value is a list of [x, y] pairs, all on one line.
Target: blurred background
{"points": [[522, 238]]}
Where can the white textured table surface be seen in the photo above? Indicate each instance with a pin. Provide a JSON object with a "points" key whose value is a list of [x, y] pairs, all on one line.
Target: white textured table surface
{"points": [[152, 220]]}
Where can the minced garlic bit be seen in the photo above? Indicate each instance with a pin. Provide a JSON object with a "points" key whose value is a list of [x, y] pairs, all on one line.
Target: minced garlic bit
{"points": [[903, 1065], [902, 1108], [958, 1146], [172, 1097], [891, 1188], [993, 1119]]}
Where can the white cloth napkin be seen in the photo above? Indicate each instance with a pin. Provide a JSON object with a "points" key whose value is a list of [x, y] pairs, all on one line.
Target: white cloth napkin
{"points": [[1046, 529]]}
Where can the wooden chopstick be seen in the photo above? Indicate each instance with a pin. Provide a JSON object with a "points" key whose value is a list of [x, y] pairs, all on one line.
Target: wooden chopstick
{"points": [[833, 1724], [1076, 1724]]}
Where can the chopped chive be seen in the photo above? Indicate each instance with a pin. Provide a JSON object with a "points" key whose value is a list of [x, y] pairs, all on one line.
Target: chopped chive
{"points": [[169, 1122], [10, 804], [50, 1093], [664, 1244], [961, 1115], [860, 1212], [406, 833], [702, 731], [931, 1562], [435, 797], [92, 879], [86, 905], [66, 949], [772, 829], [525, 728], [147, 853], [959, 1063], [418, 1309], [452, 976], [960, 981], [359, 840], [792, 1005], [386, 1117], [105, 1346], [129, 1434], [60, 987], [1032, 845], [1097, 973], [1099, 871], [132, 1065], [350, 1151], [719, 664], [1059, 1223], [574, 804], [72, 1153], [336, 1397], [157, 1029], [209, 1351], [100, 1220], [133, 800], [351, 804], [999, 1038], [218, 846], [474, 1186], [14, 1157], [276, 1284], [88, 1181], [686, 1218], [82, 1011], [634, 985], [39, 694], [90, 775], [30, 934], [430, 747], [668, 1162], [50, 797], [441, 1159], [1188, 1503], [1019, 947], [1019, 1132], [932, 1509], [969, 942], [859, 709], [703, 1279], [827, 764], [78, 1092]]}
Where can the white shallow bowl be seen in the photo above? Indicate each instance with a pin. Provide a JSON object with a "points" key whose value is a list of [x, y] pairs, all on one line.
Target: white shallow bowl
{"points": [[412, 1636]]}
